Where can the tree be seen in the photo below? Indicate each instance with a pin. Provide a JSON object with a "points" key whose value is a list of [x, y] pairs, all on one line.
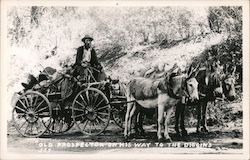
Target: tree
{"points": [[225, 19]]}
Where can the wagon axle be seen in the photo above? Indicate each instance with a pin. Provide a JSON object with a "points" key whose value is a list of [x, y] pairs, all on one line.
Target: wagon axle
{"points": [[91, 114], [31, 116]]}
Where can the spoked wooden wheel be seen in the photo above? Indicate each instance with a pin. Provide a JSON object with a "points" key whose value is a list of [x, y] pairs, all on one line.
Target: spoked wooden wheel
{"points": [[59, 126], [61, 122], [31, 114], [91, 111], [119, 109], [118, 114]]}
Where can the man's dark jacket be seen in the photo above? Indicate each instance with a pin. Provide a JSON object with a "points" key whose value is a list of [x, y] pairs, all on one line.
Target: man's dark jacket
{"points": [[93, 61]]}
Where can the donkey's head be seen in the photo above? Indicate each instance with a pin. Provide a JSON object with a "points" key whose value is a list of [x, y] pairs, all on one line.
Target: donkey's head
{"points": [[214, 80], [191, 84], [228, 82], [183, 85]]}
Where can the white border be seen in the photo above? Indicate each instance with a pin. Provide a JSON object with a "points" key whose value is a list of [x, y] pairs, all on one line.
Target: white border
{"points": [[4, 63]]}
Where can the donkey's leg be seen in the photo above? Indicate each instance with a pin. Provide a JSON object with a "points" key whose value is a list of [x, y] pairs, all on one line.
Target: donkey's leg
{"points": [[167, 118], [204, 117], [140, 123], [182, 123], [136, 123], [131, 115], [126, 129], [177, 117], [160, 120], [198, 112]]}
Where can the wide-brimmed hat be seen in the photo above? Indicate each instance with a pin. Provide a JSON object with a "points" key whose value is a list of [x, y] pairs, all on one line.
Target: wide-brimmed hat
{"points": [[87, 37]]}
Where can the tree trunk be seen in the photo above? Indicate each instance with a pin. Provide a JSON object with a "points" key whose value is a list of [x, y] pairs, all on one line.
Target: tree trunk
{"points": [[34, 15]]}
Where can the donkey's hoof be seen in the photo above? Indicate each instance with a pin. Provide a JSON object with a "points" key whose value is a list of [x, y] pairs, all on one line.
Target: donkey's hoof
{"points": [[184, 133], [198, 131], [127, 137], [178, 134], [177, 131], [137, 132], [204, 129], [161, 139], [168, 140], [142, 133]]}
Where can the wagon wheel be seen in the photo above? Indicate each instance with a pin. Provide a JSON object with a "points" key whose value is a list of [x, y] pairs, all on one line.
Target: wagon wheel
{"points": [[59, 126], [62, 122], [119, 110], [91, 111], [31, 114], [118, 114]]}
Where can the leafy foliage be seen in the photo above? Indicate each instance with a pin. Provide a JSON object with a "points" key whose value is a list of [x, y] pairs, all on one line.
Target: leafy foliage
{"points": [[125, 27], [225, 19], [127, 39]]}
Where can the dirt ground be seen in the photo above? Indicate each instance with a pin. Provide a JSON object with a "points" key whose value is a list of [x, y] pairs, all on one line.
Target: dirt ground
{"points": [[227, 139]]}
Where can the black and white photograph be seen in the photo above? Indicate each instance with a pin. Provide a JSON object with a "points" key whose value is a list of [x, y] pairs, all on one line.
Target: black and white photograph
{"points": [[141, 80]]}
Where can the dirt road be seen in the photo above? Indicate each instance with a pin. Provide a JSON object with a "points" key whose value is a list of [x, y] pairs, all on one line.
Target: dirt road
{"points": [[218, 140]]}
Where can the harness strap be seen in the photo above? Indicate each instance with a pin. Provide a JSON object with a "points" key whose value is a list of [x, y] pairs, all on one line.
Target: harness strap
{"points": [[185, 96], [167, 89]]}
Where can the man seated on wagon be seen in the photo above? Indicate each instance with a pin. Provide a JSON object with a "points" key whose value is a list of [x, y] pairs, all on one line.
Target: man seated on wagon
{"points": [[86, 57]]}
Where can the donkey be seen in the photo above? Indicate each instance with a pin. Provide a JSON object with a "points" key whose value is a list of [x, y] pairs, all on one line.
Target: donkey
{"points": [[175, 70], [164, 94], [213, 84]]}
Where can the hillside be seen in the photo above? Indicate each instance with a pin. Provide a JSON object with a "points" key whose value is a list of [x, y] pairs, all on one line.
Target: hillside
{"points": [[127, 39], [48, 36], [129, 65], [142, 57]]}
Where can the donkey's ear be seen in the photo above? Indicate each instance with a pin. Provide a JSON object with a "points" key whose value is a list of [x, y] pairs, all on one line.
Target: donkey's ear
{"points": [[190, 70], [213, 66], [197, 70], [194, 71], [179, 71], [231, 69], [225, 66], [234, 70], [197, 66]]}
